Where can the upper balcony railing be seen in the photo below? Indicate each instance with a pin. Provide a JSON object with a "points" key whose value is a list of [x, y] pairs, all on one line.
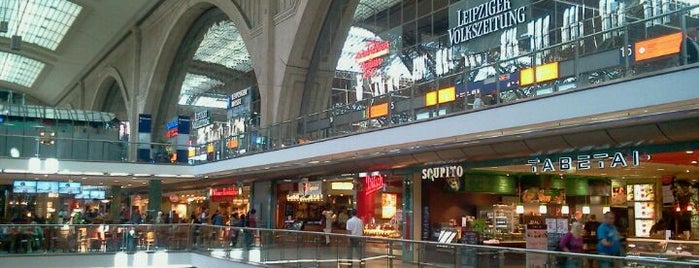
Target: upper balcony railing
{"points": [[641, 47]]}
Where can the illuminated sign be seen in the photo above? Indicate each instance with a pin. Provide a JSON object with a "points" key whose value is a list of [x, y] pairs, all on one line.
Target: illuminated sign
{"points": [[583, 162], [442, 172], [173, 132], [443, 95], [370, 59], [223, 191], [172, 124], [546, 72], [341, 186], [658, 47], [373, 183], [484, 19], [310, 188], [378, 110], [538, 74]]}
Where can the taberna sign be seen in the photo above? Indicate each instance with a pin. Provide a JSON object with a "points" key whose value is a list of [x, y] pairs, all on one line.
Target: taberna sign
{"points": [[489, 17], [442, 172], [584, 162]]}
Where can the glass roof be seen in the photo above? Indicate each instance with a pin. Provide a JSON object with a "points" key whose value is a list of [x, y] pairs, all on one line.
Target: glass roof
{"points": [[368, 8], [18, 69], [224, 45], [194, 85], [40, 22]]}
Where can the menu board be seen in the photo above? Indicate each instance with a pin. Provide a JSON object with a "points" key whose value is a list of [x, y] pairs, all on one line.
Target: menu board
{"points": [[69, 188], [47, 187], [25, 187], [562, 226], [618, 193], [643, 227], [643, 192], [644, 210]]}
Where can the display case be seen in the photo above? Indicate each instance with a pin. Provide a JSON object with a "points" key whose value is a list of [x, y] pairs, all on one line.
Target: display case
{"points": [[503, 221]]}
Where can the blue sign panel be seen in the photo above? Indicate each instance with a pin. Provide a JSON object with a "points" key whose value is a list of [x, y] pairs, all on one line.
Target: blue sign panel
{"points": [[144, 123]]}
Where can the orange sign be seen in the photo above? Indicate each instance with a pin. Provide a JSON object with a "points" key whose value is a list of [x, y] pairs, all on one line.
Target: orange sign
{"points": [[378, 110], [658, 47], [232, 143]]}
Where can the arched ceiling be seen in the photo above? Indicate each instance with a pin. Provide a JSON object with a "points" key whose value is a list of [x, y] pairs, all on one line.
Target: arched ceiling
{"points": [[61, 39]]}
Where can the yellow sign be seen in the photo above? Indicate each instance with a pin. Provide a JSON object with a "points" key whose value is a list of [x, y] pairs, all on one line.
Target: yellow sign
{"points": [[526, 77], [447, 95], [546, 72], [431, 98]]}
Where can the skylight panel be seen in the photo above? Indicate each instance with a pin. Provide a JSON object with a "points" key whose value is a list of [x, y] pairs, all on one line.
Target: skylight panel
{"points": [[223, 44], [19, 69], [41, 22], [195, 84]]}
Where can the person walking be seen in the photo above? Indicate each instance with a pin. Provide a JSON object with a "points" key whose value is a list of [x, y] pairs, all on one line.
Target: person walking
{"points": [[573, 242], [608, 240], [328, 219], [355, 228], [251, 223]]}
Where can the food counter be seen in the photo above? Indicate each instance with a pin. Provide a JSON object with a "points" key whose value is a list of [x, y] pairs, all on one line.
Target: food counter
{"points": [[381, 230], [670, 249]]}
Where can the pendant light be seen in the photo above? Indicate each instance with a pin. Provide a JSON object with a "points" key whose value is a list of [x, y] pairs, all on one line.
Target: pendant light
{"points": [[16, 41], [606, 209], [519, 209], [565, 209], [586, 207], [543, 209]]}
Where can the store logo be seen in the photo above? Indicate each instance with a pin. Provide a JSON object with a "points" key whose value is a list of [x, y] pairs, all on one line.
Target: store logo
{"points": [[442, 172], [373, 183], [583, 162], [485, 18]]}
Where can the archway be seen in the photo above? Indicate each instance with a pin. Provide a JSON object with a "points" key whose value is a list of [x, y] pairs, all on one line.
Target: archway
{"points": [[212, 75]]}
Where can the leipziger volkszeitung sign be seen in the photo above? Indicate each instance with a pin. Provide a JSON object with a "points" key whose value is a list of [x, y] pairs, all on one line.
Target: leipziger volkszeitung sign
{"points": [[489, 17]]}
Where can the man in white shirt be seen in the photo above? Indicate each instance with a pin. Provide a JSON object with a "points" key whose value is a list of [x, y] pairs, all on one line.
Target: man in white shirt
{"points": [[355, 227]]}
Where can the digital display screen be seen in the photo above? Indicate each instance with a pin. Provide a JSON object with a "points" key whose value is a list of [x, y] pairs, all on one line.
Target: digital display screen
{"points": [[97, 194], [69, 188], [47, 187], [83, 195], [25, 187]]}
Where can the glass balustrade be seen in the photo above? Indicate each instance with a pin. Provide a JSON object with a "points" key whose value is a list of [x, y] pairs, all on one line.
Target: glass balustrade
{"points": [[283, 248]]}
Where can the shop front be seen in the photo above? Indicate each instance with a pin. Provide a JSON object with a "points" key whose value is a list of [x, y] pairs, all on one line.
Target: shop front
{"points": [[653, 194], [313, 204]]}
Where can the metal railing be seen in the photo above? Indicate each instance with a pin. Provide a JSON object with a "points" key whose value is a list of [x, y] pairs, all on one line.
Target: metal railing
{"points": [[280, 248], [408, 105]]}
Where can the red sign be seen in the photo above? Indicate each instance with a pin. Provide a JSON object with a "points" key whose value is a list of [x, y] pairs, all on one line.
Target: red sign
{"points": [[224, 191], [370, 59], [171, 133], [223, 194], [372, 184]]}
